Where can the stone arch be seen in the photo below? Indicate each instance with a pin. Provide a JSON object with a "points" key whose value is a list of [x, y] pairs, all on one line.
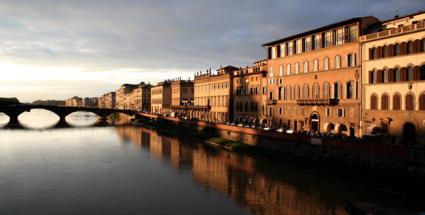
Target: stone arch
{"points": [[409, 134], [341, 128], [329, 127]]}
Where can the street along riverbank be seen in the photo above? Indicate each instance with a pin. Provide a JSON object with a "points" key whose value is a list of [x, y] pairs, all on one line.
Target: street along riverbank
{"points": [[393, 168]]}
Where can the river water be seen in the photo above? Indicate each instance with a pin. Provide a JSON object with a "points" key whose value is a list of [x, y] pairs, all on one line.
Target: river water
{"points": [[135, 170]]}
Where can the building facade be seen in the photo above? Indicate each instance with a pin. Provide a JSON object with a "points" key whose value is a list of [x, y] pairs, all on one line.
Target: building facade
{"points": [[314, 79], [182, 93], [74, 102], [107, 100], [249, 90], [213, 95], [394, 80], [89, 102], [123, 96], [140, 98], [161, 98]]}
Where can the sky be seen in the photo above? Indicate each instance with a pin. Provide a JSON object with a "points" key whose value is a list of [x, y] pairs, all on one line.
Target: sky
{"points": [[56, 49]]}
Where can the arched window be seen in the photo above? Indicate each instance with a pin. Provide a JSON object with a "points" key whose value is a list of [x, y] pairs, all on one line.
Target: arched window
{"points": [[337, 90], [350, 89], [306, 91], [409, 47], [297, 91], [374, 76], [410, 102], [297, 68], [397, 75], [384, 102], [316, 91], [384, 51], [372, 54], [422, 102], [305, 66], [396, 102], [326, 90], [288, 69], [373, 102], [315, 65], [280, 70], [326, 63], [385, 75], [337, 62], [409, 73], [288, 92], [396, 49]]}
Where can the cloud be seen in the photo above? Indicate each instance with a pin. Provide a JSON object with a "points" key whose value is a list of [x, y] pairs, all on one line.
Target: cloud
{"points": [[171, 36]]}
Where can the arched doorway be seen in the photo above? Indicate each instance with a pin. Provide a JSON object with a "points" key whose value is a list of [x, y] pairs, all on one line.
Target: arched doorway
{"points": [[342, 129], [409, 134], [314, 122]]}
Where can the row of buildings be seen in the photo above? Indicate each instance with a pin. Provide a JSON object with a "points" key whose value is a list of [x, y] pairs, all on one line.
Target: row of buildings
{"points": [[81, 102], [357, 77]]}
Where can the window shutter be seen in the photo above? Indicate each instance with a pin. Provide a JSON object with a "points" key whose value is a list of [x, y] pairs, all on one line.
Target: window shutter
{"points": [[403, 48], [390, 50], [379, 52], [379, 76], [403, 75], [416, 46], [390, 75], [416, 73], [370, 77], [370, 54]]}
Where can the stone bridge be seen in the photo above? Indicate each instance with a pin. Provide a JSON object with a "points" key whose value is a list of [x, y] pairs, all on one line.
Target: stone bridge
{"points": [[13, 111]]}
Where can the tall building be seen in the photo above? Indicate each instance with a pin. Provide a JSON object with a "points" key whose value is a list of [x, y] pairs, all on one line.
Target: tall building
{"points": [[213, 95], [161, 98], [394, 80], [249, 90], [140, 97], [89, 102], [123, 96], [181, 96], [314, 79]]}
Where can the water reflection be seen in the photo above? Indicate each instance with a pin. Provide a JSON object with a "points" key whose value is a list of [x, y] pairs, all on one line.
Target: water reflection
{"points": [[4, 119], [81, 119], [254, 185]]}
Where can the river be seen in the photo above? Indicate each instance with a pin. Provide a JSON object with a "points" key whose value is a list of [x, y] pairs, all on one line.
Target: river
{"points": [[136, 170]]}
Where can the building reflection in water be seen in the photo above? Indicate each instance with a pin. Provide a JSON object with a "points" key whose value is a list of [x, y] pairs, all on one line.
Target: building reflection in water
{"points": [[242, 178]]}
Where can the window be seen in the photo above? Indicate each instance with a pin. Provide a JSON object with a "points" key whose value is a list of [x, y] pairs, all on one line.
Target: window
{"points": [[306, 66], [337, 90], [305, 91], [410, 102], [422, 102], [384, 102], [288, 69], [409, 73], [273, 52], [372, 53], [349, 88], [279, 93], [374, 77], [326, 63], [316, 93], [384, 52], [288, 92], [297, 68], [328, 112], [271, 75], [422, 72], [397, 75], [337, 62], [397, 49], [396, 102], [315, 65], [280, 70], [297, 91], [373, 102], [409, 47], [341, 112], [326, 90], [350, 60], [385, 75]]}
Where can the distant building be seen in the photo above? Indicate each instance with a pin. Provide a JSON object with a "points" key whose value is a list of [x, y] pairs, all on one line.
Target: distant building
{"points": [[181, 96], [140, 98], [123, 96], [107, 100], [74, 102], [161, 98], [394, 80], [89, 102], [213, 95]]}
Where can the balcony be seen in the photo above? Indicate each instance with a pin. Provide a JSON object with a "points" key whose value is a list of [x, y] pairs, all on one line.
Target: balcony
{"points": [[317, 102], [271, 102], [393, 31]]}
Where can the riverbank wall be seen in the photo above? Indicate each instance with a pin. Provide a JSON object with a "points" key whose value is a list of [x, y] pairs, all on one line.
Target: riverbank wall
{"points": [[388, 166]]}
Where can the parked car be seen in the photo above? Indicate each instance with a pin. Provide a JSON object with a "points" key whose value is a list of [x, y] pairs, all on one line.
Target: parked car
{"points": [[228, 123], [240, 125], [280, 130], [246, 126], [289, 131], [266, 128]]}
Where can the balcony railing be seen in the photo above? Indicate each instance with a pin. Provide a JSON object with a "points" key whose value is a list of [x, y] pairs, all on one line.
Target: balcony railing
{"points": [[393, 31], [317, 102], [271, 101]]}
